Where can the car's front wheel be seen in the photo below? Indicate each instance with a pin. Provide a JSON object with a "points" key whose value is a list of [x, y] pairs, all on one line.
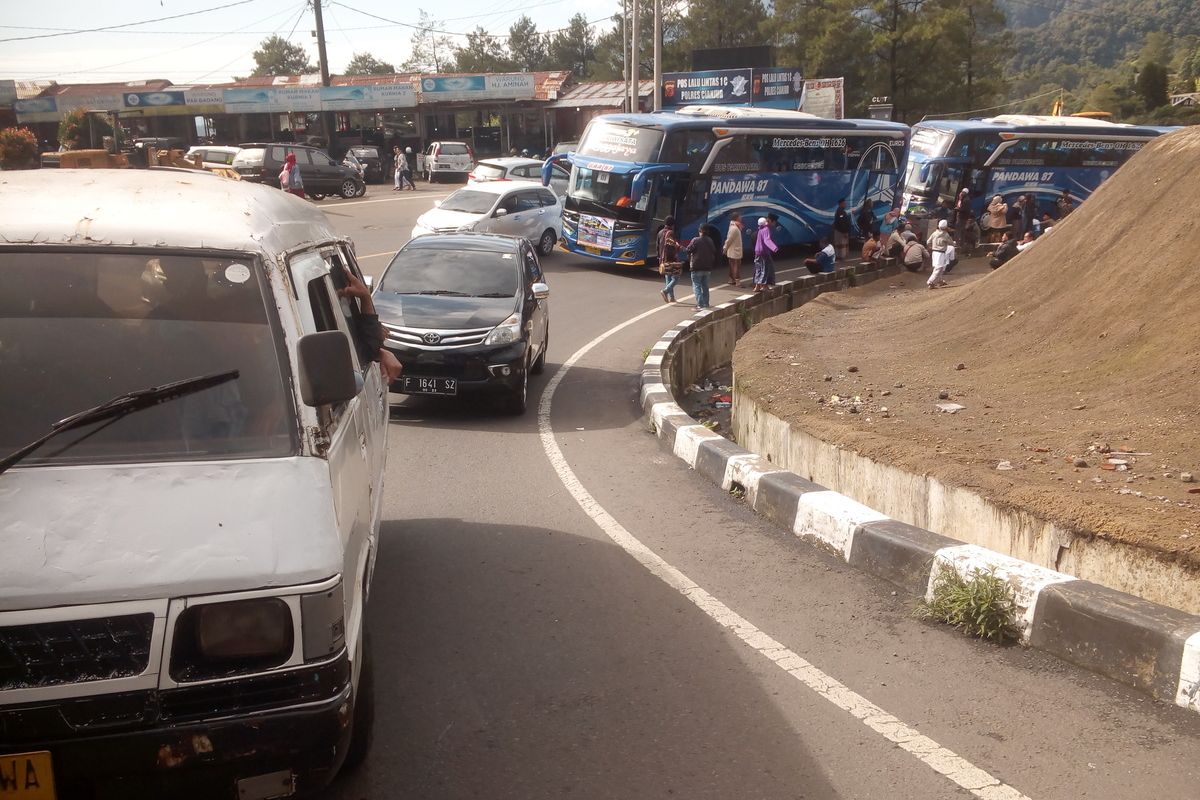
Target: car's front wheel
{"points": [[546, 243], [362, 189], [518, 400], [349, 188]]}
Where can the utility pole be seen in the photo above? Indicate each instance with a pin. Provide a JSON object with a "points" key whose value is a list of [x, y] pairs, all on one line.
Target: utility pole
{"points": [[323, 63], [625, 54], [657, 88], [634, 72]]}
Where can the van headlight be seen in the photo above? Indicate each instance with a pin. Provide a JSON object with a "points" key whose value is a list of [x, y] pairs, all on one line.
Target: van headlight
{"points": [[506, 332], [219, 639]]}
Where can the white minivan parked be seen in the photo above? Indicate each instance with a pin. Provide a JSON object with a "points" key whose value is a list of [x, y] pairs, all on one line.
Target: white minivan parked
{"points": [[192, 434], [513, 208]]}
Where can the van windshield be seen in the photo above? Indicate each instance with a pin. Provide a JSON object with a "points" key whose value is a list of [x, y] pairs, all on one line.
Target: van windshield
{"points": [[78, 328]]}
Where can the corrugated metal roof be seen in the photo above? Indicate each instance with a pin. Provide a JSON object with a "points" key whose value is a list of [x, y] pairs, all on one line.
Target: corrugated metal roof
{"points": [[603, 94]]}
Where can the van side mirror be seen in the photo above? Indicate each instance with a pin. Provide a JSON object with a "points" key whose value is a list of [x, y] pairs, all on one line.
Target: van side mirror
{"points": [[500, 212], [326, 369], [540, 290]]}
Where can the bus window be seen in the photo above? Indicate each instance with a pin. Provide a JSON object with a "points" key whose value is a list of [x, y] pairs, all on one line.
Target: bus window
{"points": [[951, 181], [736, 156], [694, 208], [688, 147]]}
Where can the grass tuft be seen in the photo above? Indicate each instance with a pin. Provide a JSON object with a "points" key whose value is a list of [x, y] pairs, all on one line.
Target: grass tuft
{"points": [[981, 604]]}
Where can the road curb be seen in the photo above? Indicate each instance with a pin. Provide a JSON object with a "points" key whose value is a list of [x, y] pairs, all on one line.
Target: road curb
{"points": [[1150, 647]]}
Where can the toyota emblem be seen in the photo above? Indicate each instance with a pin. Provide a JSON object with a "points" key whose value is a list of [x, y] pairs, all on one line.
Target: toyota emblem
{"points": [[431, 338]]}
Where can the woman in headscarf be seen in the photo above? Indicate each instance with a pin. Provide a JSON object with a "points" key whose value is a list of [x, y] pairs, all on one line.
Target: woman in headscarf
{"points": [[996, 219], [764, 251], [733, 249], [289, 177]]}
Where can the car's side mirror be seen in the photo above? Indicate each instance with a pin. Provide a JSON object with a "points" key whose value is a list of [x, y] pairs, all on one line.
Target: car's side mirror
{"points": [[500, 212], [437, 203], [327, 374], [540, 290]]}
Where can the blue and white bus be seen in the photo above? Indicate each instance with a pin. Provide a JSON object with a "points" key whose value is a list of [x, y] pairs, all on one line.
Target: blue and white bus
{"points": [[701, 163], [1015, 155]]}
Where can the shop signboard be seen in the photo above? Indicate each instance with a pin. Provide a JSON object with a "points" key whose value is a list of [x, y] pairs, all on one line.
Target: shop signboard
{"points": [[36, 109], [152, 99], [517, 86], [368, 98], [271, 99]]}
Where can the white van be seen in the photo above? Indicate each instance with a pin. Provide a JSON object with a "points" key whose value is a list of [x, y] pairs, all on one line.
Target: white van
{"points": [[192, 443], [448, 159]]}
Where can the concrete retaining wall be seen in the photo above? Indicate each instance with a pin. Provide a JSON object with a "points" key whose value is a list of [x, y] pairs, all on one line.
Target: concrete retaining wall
{"points": [[926, 502], [1145, 645]]}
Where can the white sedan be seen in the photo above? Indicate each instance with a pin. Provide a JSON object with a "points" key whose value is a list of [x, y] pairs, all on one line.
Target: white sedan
{"points": [[509, 207]]}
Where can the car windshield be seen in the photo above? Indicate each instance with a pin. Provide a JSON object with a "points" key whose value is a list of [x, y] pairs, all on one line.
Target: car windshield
{"points": [[365, 152], [470, 201], [440, 270], [251, 155], [127, 322]]}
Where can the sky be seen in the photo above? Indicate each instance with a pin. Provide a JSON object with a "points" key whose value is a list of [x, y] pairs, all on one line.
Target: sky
{"points": [[216, 45]]}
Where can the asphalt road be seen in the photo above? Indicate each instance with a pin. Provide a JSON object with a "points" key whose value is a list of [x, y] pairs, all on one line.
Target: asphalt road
{"points": [[522, 652]]}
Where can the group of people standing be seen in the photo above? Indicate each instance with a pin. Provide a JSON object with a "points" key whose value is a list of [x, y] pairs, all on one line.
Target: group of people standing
{"points": [[701, 255]]}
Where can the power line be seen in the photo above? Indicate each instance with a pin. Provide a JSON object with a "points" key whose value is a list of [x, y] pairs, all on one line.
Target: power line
{"points": [[303, 9], [995, 108], [125, 24], [104, 67], [457, 33]]}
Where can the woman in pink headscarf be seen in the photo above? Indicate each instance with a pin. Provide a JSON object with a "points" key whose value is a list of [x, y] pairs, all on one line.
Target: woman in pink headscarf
{"points": [[289, 177]]}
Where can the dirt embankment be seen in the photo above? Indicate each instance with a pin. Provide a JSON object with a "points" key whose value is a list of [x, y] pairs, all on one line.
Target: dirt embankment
{"points": [[1079, 351]]}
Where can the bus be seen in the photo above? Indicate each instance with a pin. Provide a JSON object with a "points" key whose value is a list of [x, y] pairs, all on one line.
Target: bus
{"points": [[1013, 155], [701, 163]]}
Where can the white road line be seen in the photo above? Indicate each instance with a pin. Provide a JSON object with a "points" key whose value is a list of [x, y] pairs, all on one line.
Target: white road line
{"points": [[377, 255], [938, 758], [423, 196]]}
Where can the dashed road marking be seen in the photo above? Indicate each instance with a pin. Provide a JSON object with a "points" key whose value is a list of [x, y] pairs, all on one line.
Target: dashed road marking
{"points": [[941, 760]]}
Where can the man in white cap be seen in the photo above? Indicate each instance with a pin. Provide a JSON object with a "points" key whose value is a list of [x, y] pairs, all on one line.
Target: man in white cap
{"points": [[939, 243]]}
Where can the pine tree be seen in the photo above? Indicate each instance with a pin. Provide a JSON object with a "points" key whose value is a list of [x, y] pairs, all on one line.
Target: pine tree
{"points": [[277, 56], [527, 46]]}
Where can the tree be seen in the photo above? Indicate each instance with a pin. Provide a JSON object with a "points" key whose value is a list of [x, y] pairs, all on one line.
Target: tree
{"points": [[527, 46], [574, 48], [721, 23], [482, 53], [431, 51], [367, 64], [1151, 85], [277, 56]]}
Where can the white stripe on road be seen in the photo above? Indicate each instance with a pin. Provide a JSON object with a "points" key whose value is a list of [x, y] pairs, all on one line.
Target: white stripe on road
{"points": [[419, 196], [941, 760]]}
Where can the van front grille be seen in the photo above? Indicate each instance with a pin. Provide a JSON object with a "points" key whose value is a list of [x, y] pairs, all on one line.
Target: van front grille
{"points": [[76, 651]]}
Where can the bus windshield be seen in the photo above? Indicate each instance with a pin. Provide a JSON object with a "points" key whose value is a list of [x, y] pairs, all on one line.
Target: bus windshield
{"points": [[605, 188], [620, 142], [921, 177]]}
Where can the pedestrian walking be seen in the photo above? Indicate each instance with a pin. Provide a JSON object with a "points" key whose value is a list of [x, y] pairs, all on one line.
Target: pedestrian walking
{"points": [[939, 244], [668, 259], [702, 257], [733, 249], [962, 210], [397, 167], [764, 252], [841, 230], [406, 174], [290, 179]]}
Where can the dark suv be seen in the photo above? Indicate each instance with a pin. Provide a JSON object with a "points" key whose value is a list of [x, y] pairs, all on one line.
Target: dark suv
{"points": [[466, 312], [261, 163]]}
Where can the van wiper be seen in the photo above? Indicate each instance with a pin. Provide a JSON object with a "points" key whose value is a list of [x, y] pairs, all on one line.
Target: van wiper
{"points": [[448, 292], [495, 294], [121, 405]]}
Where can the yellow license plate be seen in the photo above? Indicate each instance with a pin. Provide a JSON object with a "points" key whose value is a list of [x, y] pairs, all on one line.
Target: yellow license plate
{"points": [[27, 776], [593, 250]]}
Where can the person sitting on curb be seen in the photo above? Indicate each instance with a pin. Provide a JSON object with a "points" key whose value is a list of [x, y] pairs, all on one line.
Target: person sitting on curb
{"points": [[824, 260], [1027, 241], [1004, 251], [915, 255], [869, 248]]}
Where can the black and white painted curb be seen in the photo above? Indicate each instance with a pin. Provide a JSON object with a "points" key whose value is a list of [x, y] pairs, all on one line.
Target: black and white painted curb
{"points": [[1150, 647]]}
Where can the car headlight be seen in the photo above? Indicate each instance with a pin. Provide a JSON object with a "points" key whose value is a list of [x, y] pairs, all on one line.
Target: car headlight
{"points": [[218, 639], [506, 332], [467, 228]]}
